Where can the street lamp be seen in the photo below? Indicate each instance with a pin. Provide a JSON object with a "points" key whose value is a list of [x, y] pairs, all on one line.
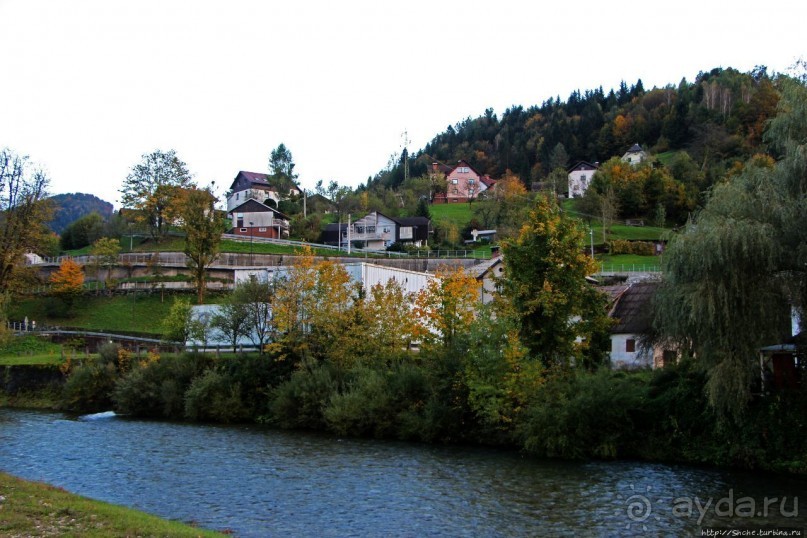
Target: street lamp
{"points": [[250, 242], [591, 234]]}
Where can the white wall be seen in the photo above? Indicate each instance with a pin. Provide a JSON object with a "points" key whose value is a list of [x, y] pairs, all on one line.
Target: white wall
{"points": [[625, 359]]}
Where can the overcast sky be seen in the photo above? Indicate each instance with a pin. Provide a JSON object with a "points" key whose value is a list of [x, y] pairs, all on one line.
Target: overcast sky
{"points": [[87, 87]]}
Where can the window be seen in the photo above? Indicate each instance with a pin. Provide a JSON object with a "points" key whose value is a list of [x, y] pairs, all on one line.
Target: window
{"points": [[243, 229], [386, 229], [359, 229], [630, 345], [236, 195], [454, 190], [261, 229], [454, 181], [583, 178], [371, 229], [470, 182]]}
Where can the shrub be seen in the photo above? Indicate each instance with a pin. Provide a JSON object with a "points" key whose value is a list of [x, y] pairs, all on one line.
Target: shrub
{"points": [[300, 401], [214, 396], [156, 388], [89, 387], [584, 415], [639, 248]]}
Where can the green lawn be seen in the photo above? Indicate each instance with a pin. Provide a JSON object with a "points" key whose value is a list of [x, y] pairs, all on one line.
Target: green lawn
{"points": [[629, 262], [459, 214], [29, 350], [36, 509], [134, 313]]}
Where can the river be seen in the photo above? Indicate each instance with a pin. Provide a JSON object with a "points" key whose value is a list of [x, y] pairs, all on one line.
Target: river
{"points": [[258, 481]]}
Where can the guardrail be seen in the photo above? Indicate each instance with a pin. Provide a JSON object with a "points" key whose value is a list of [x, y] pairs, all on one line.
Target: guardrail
{"points": [[629, 268]]}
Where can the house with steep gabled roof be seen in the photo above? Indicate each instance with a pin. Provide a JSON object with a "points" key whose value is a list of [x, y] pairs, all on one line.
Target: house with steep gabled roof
{"points": [[580, 177], [463, 183], [256, 186], [632, 312], [254, 219]]}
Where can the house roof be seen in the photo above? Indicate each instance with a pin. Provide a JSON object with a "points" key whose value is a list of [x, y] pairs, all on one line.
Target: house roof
{"points": [[463, 162], [412, 221], [633, 309], [246, 179], [582, 165], [437, 166], [254, 206], [636, 148], [488, 181], [479, 270]]}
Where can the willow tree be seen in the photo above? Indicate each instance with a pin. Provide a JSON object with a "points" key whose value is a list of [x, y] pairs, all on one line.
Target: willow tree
{"points": [[732, 275]]}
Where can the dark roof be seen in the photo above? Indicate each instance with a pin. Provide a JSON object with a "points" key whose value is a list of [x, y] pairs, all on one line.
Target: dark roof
{"points": [[636, 148], [633, 310], [254, 206], [412, 221], [582, 165], [444, 168], [245, 180], [463, 162]]}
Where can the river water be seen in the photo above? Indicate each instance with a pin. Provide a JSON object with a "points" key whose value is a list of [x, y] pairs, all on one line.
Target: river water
{"points": [[257, 481]]}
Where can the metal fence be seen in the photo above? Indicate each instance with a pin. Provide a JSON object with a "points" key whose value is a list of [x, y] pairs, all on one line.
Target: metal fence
{"points": [[629, 268]]}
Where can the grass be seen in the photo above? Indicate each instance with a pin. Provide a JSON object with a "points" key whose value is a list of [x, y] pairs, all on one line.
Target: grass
{"points": [[139, 313], [629, 261], [36, 509], [459, 214]]}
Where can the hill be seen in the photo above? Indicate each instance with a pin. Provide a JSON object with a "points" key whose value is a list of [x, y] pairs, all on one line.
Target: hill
{"points": [[72, 206], [700, 129]]}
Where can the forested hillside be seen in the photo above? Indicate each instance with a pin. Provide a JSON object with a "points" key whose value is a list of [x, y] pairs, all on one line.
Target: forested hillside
{"points": [[72, 206], [717, 120]]}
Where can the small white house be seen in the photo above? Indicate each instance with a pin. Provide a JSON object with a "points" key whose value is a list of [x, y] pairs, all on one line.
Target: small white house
{"points": [[634, 155], [580, 178], [632, 311]]}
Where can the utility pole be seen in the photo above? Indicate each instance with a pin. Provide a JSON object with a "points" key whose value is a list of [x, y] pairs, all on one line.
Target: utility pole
{"points": [[591, 234], [304, 205], [348, 234]]}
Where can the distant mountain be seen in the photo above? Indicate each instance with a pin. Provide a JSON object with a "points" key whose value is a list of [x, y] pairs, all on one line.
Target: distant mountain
{"points": [[72, 206]]}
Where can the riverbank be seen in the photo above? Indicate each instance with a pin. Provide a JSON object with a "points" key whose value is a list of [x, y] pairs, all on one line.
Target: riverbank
{"points": [[36, 509]]}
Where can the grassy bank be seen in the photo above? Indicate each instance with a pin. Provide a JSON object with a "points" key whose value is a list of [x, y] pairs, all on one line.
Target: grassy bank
{"points": [[134, 313], [35, 509]]}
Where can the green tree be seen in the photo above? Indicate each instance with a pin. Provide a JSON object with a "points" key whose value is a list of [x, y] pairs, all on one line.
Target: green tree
{"points": [[254, 298], [82, 232], [23, 211], [152, 189], [176, 325], [105, 253], [731, 275], [202, 225], [562, 317], [281, 168], [231, 321]]}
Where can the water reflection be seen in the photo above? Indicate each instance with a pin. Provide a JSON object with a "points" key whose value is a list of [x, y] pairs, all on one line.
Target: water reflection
{"points": [[261, 482]]}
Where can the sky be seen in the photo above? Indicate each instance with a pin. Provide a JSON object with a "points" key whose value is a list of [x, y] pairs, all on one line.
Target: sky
{"points": [[89, 86]]}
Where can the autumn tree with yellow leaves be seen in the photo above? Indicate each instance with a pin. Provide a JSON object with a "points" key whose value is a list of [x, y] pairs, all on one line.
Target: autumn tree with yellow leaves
{"points": [[445, 308], [68, 282], [562, 318]]}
